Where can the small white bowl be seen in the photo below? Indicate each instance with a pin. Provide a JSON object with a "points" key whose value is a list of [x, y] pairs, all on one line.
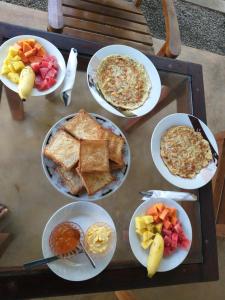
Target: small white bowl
{"points": [[155, 91], [78, 267], [175, 259], [205, 175], [50, 49]]}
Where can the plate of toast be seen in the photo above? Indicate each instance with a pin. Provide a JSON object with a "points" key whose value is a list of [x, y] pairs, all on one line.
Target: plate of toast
{"points": [[85, 156]]}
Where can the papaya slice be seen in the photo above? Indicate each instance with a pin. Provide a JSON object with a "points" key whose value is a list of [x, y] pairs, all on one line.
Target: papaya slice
{"points": [[40, 52], [30, 53], [23, 57], [26, 47], [37, 46], [164, 213]]}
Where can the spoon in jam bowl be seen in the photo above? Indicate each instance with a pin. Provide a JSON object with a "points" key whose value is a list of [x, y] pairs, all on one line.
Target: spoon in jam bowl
{"points": [[65, 241]]}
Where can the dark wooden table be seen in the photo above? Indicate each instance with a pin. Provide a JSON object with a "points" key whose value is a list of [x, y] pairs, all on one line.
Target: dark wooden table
{"points": [[184, 83]]}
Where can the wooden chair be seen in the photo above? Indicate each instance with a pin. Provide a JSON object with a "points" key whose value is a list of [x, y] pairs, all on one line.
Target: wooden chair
{"points": [[219, 187], [113, 22]]}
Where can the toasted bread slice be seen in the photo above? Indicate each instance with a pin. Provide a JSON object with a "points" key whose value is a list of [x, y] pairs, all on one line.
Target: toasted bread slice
{"points": [[94, 156], [83, 127], [115, 145], [95, 181], [113, 166], [71, 180], [63, 149]]}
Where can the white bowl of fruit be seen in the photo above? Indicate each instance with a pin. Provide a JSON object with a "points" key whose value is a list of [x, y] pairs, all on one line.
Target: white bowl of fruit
{"points": [[160, 235], [31, 66]]}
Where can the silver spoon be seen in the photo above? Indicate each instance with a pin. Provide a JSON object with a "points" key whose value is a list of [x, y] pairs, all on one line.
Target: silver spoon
{"points": [[44, 261]]}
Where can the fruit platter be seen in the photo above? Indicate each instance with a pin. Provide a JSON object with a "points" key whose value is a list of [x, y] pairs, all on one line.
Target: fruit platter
{"points": [[31, 66], [160, 235]]}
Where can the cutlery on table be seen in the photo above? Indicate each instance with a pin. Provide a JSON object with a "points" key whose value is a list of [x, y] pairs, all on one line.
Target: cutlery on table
{"points": [[177, 196], [198, 128], [44, 261]]}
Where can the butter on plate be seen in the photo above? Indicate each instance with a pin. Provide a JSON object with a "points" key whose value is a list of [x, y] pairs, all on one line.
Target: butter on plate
{"points": [[98, 238]]}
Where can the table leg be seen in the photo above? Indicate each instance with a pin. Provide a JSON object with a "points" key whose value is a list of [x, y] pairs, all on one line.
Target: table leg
{"points": [[15, 105]]}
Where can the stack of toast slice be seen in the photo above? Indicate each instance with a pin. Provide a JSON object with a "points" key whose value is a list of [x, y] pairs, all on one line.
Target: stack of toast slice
{"points": [[85, 154]]}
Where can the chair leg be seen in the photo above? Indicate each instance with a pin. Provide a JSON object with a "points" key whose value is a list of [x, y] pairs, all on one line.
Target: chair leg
{"points": [[15, 105], [125, 295]]}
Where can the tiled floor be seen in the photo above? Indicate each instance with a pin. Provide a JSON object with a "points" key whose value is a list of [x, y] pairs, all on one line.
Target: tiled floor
{"points": [[20, 149]]}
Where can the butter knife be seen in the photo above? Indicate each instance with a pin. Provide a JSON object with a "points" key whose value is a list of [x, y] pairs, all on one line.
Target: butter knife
{"points": [[177, 196], [198, 128]]}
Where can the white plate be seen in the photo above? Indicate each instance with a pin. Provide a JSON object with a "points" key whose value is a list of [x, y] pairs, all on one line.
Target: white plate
{"points": [[78, 267], [200, 179], [175, 259], [154, 95], [49, 166], [50, 49]]}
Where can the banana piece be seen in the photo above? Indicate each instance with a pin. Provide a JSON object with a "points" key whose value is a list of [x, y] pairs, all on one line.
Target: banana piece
{"points": [[155, 255], [26, 82]]}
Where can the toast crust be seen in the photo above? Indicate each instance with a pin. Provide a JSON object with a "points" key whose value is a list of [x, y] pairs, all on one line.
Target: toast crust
{"points": [[113, 166]]}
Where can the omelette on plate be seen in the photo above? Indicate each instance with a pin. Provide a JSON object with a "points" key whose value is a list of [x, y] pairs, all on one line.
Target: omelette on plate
{"points": [[123, 82], [184, 151]]}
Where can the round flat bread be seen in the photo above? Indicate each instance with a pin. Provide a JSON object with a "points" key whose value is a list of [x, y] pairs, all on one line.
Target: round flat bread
{"points": [[184, 151], [123, 82]]}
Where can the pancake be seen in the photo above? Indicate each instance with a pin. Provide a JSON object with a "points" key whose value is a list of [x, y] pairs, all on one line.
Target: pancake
{"points": [[184, 151], [123, 82]]}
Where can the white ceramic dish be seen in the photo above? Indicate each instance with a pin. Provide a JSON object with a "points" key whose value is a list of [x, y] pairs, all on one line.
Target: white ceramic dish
{"points": [[200, 179], [50, 49], [49, 166], [155, 91], [78, 267], [175, 259]]}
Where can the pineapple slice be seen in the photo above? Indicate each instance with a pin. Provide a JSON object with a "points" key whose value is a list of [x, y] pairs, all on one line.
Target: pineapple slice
{"points": [[5, 69], [16, 58], [139, 223], [148, 219], [12, 52], [14, 77], [150, 227], [146, 244], [18, 65], [147, 235], [158, 227]]}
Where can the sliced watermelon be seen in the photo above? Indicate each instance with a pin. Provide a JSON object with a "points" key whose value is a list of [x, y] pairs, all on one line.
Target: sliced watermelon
{"points": [[35, 66], [174, 238], [46, 72]]}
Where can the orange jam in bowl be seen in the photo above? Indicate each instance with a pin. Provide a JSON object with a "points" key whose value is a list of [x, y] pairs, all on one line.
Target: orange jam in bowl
{"points": [[65, 238]]}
